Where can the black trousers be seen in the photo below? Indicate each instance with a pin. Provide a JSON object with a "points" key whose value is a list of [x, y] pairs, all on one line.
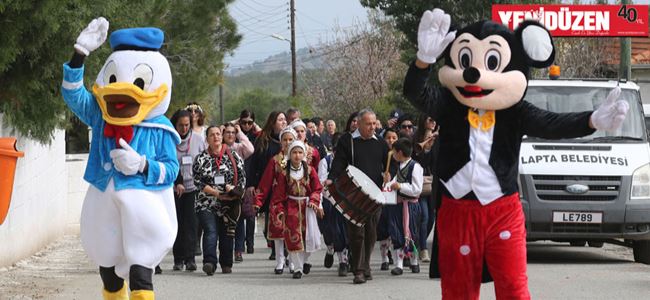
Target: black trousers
{"points": [[362, 242], [185, 242]]}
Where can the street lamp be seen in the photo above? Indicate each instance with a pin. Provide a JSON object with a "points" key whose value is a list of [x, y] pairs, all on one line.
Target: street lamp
{"points": [[279, 37]]}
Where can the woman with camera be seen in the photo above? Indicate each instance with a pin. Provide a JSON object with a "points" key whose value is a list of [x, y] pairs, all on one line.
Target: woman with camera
{"points": [[219, 175]]}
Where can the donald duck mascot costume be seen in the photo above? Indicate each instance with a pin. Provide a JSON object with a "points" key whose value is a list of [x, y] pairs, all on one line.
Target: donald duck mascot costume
{"points": [[128, 219]]}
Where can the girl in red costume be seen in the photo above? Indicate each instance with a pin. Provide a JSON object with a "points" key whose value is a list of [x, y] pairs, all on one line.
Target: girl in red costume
{"points": [[273, 171], [298, 196], [311, 154]]}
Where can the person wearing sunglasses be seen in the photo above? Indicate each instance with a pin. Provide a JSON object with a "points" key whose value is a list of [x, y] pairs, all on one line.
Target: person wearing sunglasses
{"points": [[406, 126]]}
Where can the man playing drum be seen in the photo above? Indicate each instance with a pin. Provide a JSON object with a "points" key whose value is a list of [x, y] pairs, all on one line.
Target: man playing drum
{"points": [[368, 153]]}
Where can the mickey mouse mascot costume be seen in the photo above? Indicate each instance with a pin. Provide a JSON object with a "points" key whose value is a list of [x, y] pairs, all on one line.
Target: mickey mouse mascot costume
{"points": [[482, 118], [128, 219]]}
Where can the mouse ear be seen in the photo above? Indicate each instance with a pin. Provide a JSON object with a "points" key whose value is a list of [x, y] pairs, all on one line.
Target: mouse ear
{"points": [[537, 43]]}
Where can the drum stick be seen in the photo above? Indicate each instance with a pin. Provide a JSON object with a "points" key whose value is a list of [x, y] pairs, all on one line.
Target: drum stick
{"points": [[390, 154]]}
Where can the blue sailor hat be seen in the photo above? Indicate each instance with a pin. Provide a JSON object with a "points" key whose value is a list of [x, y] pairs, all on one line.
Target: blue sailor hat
{"points": [[145, 38]]}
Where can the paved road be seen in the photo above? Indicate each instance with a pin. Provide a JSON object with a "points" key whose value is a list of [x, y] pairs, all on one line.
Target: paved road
{"points": [[556, 271]]}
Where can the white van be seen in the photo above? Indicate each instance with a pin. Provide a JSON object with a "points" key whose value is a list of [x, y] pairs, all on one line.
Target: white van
{"points": [[593, 189]]}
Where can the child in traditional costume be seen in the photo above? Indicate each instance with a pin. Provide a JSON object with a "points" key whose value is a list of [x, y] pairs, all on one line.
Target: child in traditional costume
{"points": [[403, 218], [273, 171], [298, 196]]}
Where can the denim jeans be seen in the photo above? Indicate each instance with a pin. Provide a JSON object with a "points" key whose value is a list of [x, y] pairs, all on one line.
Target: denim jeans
{"points": [[214, 229], [245, 232], [425, 216]]}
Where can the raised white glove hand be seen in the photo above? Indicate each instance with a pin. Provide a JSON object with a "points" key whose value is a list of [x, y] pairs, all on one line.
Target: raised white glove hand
{"points": [[93, 36], [126, 160], [433, 35], [611, 113]]}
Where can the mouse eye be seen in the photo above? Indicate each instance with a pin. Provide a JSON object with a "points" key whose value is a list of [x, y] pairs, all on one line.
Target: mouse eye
{"points": [[492, 60], [465, 58]]}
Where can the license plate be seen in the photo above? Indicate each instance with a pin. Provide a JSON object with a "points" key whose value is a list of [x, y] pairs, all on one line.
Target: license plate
{"points": [[577, 217]]}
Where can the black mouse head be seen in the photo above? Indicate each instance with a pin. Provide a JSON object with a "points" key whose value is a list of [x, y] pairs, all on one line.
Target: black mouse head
{"points": [[487, 65]]}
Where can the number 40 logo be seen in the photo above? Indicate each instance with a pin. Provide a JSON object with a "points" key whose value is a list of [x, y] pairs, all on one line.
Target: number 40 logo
{"points": [[629, 14]]}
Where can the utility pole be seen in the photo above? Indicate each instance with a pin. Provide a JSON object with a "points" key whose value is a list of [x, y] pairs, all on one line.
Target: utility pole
{"points": [[625, 69], [221, 103], [293, 47]]}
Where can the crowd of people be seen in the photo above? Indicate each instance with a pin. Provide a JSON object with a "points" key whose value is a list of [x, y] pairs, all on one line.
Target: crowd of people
{"points": [[234, 172]]}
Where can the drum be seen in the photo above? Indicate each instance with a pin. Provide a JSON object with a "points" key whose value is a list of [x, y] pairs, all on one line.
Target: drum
{"points": [[355, 196]]}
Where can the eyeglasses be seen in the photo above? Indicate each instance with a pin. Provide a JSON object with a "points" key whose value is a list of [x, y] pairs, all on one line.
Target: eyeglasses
{"points": [[407, 126], [246, 122]]}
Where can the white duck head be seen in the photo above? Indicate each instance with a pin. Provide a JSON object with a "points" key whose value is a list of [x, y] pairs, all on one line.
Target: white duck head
{"points": [[135, 82]]}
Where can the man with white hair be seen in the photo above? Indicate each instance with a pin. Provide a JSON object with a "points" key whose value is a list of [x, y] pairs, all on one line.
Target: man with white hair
{"points": [[364, 150]]}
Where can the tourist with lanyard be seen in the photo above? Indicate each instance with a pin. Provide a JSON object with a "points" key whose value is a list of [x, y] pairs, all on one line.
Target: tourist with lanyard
{"points": [[237, 141], [185, 191], [267, 145], [219, 175]]}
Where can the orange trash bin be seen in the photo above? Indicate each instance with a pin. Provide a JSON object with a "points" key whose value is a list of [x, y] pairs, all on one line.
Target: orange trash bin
{"points": [[8, 157]]}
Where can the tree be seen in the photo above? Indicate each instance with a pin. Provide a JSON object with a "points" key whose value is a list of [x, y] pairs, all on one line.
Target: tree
{"points": [[407, 14], [260, 101], [37, 37], [199, 34], [360, 63]]}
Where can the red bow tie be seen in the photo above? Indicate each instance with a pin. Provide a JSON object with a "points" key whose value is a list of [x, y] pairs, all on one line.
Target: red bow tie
{"points": [[118, 132]]}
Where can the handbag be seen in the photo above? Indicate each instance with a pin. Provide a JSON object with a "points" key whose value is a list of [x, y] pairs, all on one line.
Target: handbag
{"points": [[247, 204], [426, 185]]}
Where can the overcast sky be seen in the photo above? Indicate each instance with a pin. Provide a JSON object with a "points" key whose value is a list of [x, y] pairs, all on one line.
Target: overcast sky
{"points": [[257, 20]]}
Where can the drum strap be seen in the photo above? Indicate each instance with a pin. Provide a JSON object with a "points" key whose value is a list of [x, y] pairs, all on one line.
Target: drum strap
{"points": [[352, 146]]}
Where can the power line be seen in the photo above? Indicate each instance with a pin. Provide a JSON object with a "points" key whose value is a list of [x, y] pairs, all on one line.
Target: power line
{"points": [[267, 22], [269, 6], [268, 12], [313, 19]]}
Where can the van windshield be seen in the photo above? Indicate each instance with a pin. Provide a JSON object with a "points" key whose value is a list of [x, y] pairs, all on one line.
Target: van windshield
{"points": [[577, 99]]}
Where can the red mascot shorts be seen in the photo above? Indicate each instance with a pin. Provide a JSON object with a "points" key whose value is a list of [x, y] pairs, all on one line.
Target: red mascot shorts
{"points": [[469, 234]]}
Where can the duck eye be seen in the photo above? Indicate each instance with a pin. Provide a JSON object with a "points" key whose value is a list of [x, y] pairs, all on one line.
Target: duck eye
{"points": [[143, 75], [110, 71], [139, 82]]}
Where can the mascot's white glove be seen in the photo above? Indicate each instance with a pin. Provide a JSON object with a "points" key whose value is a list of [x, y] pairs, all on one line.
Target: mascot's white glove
{"points": [[93, 36], [126, 160], [611, 113], [433, 35]]}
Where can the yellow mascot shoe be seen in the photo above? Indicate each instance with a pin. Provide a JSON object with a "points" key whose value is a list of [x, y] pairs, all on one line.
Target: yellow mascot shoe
{"points": [[122, 294], [142, 295]]}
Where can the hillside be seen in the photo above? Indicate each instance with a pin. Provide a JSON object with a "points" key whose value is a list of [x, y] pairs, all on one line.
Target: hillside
{"points": [[305, 59]]}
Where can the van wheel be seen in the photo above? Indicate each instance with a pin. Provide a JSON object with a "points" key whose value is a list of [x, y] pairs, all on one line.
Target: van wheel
{"points": [[596, 244], [641, 250], [578, 243]]}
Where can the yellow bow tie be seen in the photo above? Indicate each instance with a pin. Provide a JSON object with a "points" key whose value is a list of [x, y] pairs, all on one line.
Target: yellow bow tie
{"points": [[486, 121]]}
